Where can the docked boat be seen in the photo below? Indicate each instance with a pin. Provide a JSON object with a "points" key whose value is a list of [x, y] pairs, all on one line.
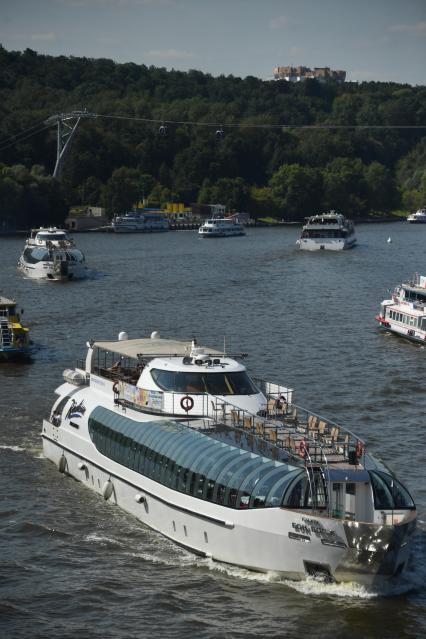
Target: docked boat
{"points": [[50, 254], [405, 312], [14, 338], [330, 231], [140, 221], [226, 465], [221, 227], [419, 217]]}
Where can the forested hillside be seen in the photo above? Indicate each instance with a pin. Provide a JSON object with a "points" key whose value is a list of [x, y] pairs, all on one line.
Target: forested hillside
{"points": [[258, 164]]}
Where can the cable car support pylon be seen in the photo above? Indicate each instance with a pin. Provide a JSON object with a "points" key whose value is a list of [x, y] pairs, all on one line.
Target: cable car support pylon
{"points": [[67, 124]]}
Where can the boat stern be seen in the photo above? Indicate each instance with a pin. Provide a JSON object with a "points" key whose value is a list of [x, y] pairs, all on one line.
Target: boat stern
{"points": [[376, 553]]}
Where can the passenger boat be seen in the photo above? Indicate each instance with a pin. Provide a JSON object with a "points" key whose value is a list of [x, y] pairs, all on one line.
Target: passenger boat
{"points": [[14, 338], [419, 217], [225, 465], [221, 227], [140, 221], [405, 312], [330, 231], [50, 254]]}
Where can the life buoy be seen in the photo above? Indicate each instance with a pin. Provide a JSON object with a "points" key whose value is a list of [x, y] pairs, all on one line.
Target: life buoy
{"points": [[187, 403], [359, 449], [303, 449], [115, 388]]}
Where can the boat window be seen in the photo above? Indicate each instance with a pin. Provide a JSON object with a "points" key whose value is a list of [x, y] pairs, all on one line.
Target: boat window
{"points": [[262, 488], [389, 493], [228, 472], [35, 255], [75, 255], [237, 383], [198, 448], [53, 237], [164, 379], [250, 480], [213, 473], [276, 492], [297, 494], [177, 456]]}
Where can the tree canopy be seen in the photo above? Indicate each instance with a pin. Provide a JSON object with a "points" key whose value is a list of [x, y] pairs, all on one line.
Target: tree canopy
{"points": [[288, 150]]}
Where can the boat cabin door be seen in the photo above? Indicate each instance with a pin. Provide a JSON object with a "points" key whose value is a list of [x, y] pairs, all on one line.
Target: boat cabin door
{"points": [[343, 500]]}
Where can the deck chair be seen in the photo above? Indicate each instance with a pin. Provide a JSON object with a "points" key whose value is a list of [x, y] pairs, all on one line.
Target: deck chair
{"points": [[260, 429], [313, 426], [272, 434], [321, 428], [248, 422], [218, 410], [271, 406]]}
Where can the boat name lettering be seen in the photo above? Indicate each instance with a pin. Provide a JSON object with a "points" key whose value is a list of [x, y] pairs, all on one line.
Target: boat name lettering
{"points": [[311, 527], [301, 528]]}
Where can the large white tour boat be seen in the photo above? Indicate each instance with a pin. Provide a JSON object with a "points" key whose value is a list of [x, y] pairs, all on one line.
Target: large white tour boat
{"points": [[14, 338], [221, 227], [405, 312], [225, 465], [419, 217], [140, 221], [50, 253], [330, 231]]}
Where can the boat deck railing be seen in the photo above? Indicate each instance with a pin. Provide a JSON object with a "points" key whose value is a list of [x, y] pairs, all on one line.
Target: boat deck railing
{"points": [[282, 425], [302, 434]]}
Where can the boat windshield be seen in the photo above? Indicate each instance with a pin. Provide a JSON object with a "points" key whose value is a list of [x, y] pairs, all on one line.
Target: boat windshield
{"points": [[34, 255], [52, 237], [389, 493], [75, 255], [238, 383]]}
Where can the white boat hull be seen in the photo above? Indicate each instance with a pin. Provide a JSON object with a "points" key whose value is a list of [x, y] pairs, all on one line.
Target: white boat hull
{"points": [[289, 543], [221, 234], [50, 271], [319, 244], [413, 334]]}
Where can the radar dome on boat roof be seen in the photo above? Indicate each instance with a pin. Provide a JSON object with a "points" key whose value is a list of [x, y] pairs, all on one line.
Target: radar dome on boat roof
{"points": [[122, 336], [155, 335]]}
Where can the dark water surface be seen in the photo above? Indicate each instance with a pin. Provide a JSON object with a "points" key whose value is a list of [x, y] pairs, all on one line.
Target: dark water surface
{"points": [[72, 565]]}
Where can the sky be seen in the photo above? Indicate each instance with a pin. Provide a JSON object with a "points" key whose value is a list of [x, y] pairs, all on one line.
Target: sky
{"points": [[380, 40]]}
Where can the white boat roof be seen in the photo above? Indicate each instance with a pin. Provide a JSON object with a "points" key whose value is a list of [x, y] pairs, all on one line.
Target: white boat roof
{"points": [[4, 301], [149, 347]]}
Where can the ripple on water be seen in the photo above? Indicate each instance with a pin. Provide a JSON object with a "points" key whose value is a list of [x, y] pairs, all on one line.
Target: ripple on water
{"points": [[74, 565]]}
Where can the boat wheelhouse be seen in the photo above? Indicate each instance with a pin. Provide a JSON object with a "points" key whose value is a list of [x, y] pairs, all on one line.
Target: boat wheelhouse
{"points": [[330, 231], [14, 338], [50, 253], [140, 221], [227, 465], [419, 217], [221, 227], [405, 313]]}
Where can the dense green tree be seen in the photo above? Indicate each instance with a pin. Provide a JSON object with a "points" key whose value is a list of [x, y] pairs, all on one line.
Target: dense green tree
{"points": [[345, 188], [121, 191], [234, 193], [287, 149], [296, 190], [411, 177]]}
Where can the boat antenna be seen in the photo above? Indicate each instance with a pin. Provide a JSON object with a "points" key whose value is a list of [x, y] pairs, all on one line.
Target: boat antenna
{"points": [[224, 345]]}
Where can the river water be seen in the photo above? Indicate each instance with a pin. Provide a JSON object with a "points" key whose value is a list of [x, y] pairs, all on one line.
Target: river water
{"points": [[72, 565]]}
